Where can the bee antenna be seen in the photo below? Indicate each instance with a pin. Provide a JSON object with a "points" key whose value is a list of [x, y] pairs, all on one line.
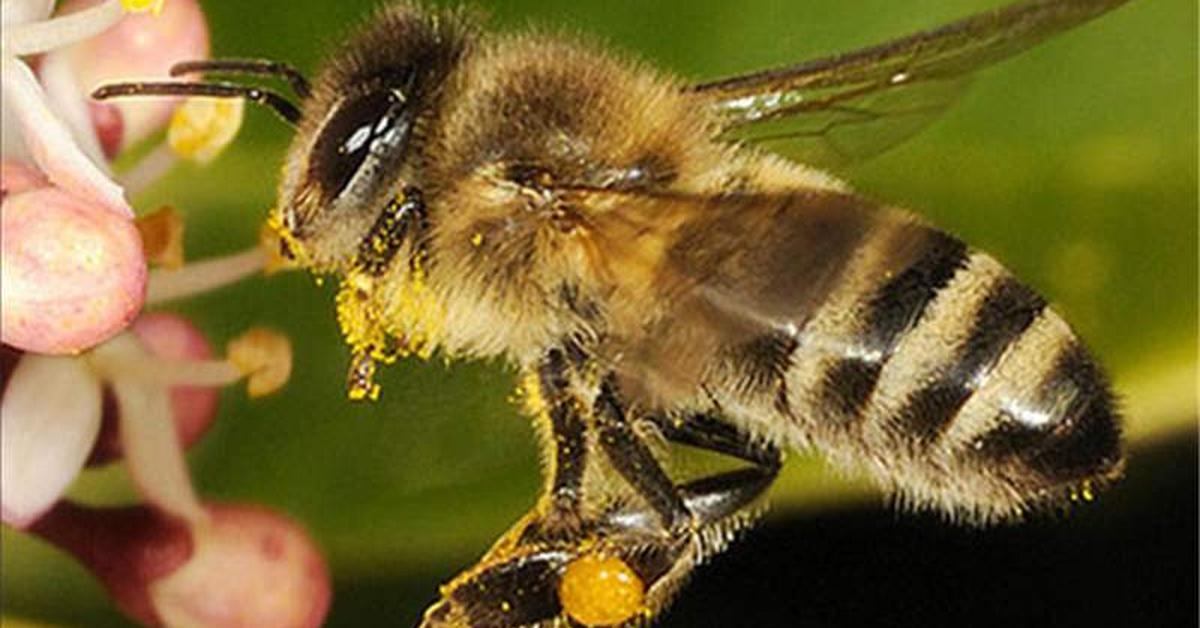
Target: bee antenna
{"points": [[258, 67], [280, 105]]}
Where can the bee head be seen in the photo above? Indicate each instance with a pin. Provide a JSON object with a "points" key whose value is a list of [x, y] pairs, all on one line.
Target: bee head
{"points": [[358, 126], [359, 132]]}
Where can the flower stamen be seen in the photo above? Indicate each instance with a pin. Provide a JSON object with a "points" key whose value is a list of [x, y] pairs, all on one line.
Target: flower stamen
{"points": [[202, 127], [148, 169], [45, 35], [264, 356], [200, 277], [154, 7], [162, 237]]}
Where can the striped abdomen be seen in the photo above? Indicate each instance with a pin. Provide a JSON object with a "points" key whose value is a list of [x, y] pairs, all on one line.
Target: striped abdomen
{"points": [[949, 380]]}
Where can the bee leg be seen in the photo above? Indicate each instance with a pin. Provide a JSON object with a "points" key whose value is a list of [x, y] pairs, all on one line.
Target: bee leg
{"points": [[619, 565], [622, 569], [715, 497], [558, 513], [634, 461], [568, 430], [404, 218]]}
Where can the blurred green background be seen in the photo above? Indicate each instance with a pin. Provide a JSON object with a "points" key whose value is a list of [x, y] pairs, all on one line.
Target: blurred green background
{"points": [[1075, 164]]}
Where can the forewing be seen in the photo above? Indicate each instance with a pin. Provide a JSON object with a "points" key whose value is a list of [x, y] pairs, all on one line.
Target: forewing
{"points": [[695, 279], [836, 110]]}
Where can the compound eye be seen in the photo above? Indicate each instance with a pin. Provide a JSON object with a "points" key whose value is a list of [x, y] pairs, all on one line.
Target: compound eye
{"points": [[364, 134]]}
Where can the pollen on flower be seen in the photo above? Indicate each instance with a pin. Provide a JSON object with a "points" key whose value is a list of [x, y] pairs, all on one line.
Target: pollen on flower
{"points": [[154, 7], [162, 236], [202, 127], [265, 356], [598, 590]]}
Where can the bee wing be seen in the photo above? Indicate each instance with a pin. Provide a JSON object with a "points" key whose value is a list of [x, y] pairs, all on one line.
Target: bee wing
{"points": [[721, 273], [835, 110]]}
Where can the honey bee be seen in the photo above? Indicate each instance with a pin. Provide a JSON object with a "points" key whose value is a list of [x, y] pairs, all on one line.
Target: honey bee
{"points": [[665, 264]]}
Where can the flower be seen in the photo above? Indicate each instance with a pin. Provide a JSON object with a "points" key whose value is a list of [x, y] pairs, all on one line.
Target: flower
{"points": [[73, 262], [142, 46], [45, 439], [238, 566], [73, 272], [58, 297], [62, 146], [88, 379]]}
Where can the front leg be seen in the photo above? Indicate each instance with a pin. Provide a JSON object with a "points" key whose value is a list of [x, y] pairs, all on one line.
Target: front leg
{"points": [[361, 310]]}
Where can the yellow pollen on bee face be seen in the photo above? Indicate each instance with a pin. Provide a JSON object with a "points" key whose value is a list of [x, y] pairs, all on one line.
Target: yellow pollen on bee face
{"points": [[600, 591], [274, 234]]}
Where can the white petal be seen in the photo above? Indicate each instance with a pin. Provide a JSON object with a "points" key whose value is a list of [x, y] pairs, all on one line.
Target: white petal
{"points": [[70, 104], [51, 144], [152, 450], [49, 419], [14, 12], [12, 145]]}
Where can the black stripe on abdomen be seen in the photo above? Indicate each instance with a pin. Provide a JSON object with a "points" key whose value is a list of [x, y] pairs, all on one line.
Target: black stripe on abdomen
{"points": [[1081, 435], [893, 308], [1004, 314]]}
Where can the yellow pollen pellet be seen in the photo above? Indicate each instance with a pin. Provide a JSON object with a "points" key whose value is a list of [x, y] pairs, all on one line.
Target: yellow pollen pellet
{"points": [[600, 591]]}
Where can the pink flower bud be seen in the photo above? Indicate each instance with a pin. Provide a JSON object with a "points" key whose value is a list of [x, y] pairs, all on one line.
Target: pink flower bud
{"points": [[109, 127], [192, 407], [243, 566], [73, 273], [140, 46], [126, 549]]}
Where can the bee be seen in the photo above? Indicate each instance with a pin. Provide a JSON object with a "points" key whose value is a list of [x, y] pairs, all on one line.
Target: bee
{"points": [[665, 263]]}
